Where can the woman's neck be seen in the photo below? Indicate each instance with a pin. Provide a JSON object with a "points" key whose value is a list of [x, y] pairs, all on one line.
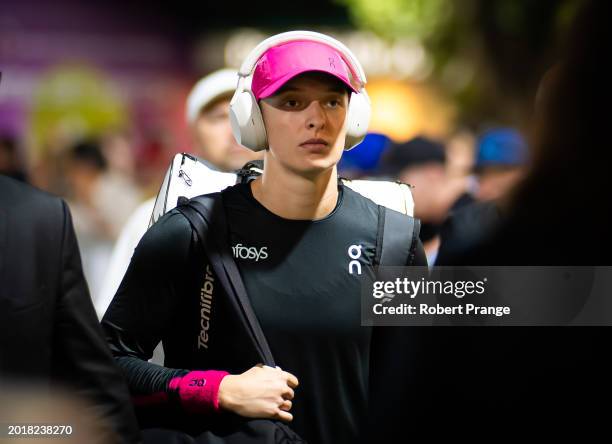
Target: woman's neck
{"points": [[296, 197]]}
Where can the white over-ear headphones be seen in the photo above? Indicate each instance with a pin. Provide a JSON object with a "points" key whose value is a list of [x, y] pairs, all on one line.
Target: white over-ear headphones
{"points": [[245, 115]]}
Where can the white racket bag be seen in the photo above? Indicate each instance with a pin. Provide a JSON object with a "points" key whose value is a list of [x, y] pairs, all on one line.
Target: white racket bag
{"points": [[188, 176]]}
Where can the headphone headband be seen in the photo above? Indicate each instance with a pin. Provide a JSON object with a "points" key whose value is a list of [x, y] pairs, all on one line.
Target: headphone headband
{"points": [[248, 66]]}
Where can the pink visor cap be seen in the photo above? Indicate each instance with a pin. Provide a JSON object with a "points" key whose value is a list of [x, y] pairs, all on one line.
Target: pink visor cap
{"points": [[281, 63]]}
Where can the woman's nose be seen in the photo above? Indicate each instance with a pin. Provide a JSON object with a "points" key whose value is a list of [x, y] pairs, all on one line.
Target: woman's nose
{"points": [[315, 118]]}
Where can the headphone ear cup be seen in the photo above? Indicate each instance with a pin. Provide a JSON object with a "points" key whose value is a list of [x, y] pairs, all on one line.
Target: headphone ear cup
{"points": [[247, 122], [358, 119]]}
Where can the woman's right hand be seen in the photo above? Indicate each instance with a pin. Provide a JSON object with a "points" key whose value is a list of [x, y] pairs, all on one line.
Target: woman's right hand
{"points": [[260, 392]]}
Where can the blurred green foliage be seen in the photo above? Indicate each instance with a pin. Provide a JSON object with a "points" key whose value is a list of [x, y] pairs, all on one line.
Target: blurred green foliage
{"points": [[487, 54], [399, 18]]}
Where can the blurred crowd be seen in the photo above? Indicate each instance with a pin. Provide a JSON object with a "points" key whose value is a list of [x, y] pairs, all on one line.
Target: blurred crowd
{"points": [[101, 181]]}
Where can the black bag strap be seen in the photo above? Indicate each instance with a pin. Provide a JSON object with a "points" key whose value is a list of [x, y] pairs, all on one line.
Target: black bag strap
{"points": [[396, 239], [206, 214], [250, 171]]}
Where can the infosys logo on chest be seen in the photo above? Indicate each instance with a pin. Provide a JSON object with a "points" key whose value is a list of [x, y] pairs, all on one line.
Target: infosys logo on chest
{"points": [[253, 253]]}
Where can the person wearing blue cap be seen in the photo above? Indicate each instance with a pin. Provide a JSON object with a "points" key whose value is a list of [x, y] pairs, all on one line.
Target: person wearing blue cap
{"points": [[501, 160], [501, 157]]}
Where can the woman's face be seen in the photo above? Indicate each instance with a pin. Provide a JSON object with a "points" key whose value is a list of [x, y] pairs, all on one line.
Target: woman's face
{"points": [[305, 123]]}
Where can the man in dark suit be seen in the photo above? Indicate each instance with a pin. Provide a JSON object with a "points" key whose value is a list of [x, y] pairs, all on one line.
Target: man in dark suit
{"points": [[50, 333]]}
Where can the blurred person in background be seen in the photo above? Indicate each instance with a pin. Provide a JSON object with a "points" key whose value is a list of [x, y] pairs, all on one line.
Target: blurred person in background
{"points": [[537, 381], [50, 334], [363, 160], [501, 161], [460, 152], [421, 162], [500, 164], [101, 202], [11, 164], [207, 115], [118, 151]]}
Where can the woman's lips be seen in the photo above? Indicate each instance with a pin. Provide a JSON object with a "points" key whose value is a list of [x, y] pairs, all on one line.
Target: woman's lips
{"points": [[315, 144]]}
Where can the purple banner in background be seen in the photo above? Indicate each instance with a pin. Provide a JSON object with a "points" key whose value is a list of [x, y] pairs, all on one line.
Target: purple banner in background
{"points": [[147, 67]]}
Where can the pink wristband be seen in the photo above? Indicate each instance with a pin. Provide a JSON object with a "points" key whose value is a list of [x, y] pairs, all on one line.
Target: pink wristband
{"points": [[198, 390]]}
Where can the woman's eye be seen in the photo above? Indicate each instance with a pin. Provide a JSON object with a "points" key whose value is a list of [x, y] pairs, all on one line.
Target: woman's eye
{"points": [[334, 103], [291, 103]]}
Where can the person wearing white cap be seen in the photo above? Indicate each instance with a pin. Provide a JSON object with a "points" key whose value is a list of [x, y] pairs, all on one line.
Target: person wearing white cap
{"points": [[207, 115]]}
